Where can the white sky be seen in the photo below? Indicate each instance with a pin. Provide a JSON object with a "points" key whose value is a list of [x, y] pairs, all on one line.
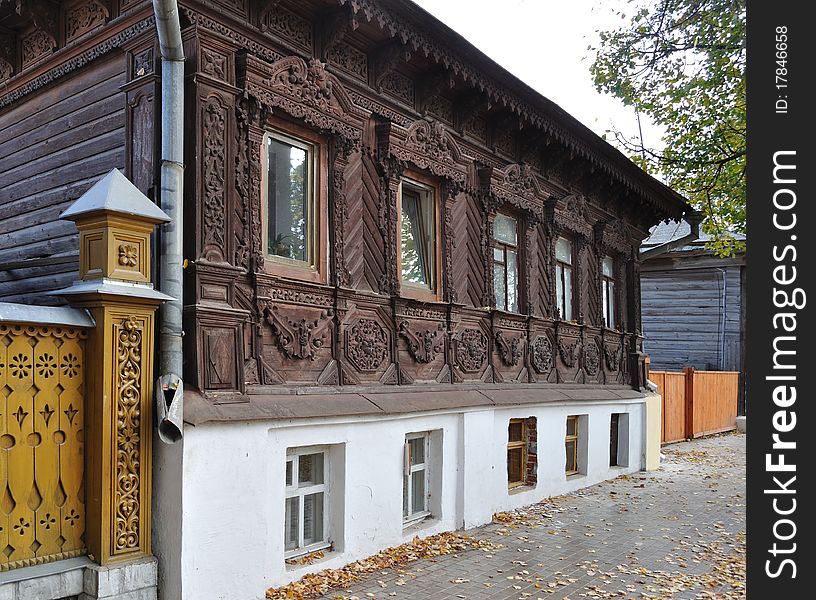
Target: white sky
{"points": [[544, 43]]}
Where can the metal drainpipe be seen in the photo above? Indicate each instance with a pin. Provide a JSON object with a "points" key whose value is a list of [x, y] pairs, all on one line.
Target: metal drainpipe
{"points": [[169, 387]]}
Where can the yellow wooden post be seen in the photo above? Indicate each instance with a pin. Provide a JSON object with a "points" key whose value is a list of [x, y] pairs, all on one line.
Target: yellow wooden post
{"points": [[115, 221]]}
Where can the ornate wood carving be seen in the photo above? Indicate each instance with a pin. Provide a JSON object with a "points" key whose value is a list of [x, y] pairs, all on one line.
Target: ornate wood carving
{"points": [[127, 482], [332, 27], [613, 355], [385, 60], [423, 345], [82, 18], [36, 46], [541, 354], [214, 173], [569, 351], [430, 146], [8, 52], [350, 60], [307, 91], [215, 64], [592, 359], [288, 25], [219, 358], [299, 337], [510, 350], [342, 150], [471, 350], [367, 345]]}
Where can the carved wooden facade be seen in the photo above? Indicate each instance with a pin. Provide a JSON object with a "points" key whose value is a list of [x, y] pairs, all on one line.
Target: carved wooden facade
{"points": [[387, 95]]}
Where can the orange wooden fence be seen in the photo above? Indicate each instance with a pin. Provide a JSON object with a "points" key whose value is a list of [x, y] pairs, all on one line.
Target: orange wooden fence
{"points": [[696, 403]]}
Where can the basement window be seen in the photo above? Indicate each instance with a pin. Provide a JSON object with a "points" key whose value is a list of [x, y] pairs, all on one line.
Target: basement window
{"points": [[521, 453], [571, 444], [306, 511], [415, 483]]}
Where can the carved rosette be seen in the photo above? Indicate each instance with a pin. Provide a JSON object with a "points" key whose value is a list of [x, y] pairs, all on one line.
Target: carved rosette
{"points": [[367, 345], [541, 353], [126, 526], [423, 345], [128, 255], [510, 350], [300, 338], [471, 350], [214, 168], [592, 359]]}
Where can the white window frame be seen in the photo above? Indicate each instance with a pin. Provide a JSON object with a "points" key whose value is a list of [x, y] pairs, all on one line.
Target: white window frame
{"points": [[407, 480], [293, 491]]}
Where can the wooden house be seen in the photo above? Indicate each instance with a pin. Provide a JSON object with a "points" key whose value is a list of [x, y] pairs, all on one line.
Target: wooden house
{"points": [[411, 284], [693, 304]]}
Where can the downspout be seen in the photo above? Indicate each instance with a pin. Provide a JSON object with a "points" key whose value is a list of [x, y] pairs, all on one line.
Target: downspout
{"points": [[169, 388], [693, 219]]}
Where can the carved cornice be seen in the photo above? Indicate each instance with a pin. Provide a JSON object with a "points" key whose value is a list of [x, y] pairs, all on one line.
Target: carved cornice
{"points": [[79, 60], [612, 235], [306, 91]]}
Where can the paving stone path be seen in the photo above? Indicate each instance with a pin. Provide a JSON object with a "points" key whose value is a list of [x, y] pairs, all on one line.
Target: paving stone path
{"points": [[678, 532]]}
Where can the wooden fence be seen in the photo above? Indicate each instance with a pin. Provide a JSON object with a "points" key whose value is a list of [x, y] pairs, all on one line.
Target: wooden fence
{"points": [[696, 403]]}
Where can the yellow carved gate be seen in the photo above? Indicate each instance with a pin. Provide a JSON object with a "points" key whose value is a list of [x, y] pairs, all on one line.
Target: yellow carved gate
{"points": [[42, 511]]}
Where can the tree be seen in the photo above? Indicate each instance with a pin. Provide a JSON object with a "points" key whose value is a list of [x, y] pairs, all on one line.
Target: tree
{"points": [[682, 63]]}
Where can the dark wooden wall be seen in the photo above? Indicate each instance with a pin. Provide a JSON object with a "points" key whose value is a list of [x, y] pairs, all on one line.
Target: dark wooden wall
{"points": [[53, 147]]}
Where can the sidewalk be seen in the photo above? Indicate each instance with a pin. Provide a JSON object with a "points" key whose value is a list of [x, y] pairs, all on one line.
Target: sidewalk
{"points": [[675, 533]]}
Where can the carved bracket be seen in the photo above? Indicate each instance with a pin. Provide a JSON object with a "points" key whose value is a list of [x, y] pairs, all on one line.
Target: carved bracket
{"points": [[423, 345], [511, 350], [299, 338]]}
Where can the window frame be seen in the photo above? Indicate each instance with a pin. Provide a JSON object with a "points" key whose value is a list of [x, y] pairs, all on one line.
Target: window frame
{"points": [[316, 269], [572, 438], [503, 247], [433, 293], [512, 445], [560, 276], [413, 518], [608, 287], [293, 491], [614, 439]]}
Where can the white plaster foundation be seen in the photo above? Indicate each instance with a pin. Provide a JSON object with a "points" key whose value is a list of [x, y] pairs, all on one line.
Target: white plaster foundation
{"points": [[233, 485]]}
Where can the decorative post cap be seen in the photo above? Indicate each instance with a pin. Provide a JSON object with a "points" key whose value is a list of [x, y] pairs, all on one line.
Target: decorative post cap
{"points": [[115, 194], [115, 220]]}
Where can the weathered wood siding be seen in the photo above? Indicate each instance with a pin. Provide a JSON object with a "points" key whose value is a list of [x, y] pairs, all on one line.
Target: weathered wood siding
{"points": [[691, 318], [53, 147]]}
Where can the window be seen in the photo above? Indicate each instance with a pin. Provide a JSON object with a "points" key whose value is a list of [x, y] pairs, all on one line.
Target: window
{"points": [[563, 278], [418, 263], [614, 424], [306, 502], [608, 283], [572, 445], [505, 262], [415, 479], [294, 225], [516, 453]]}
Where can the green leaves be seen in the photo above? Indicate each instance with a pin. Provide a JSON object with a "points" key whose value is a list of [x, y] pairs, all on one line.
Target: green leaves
{"points": [[682, 63]]}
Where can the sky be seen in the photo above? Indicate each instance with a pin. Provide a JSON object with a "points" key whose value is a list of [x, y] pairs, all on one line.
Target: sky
{"points": [[544, 43]]}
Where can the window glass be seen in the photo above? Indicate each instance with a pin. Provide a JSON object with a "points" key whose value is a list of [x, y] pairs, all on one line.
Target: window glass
{"points": [[563, 250], [608, 266], [567, 313], [504, 229], [289, 180], [288, 473], [417, 450], [312, 518], [418, 491], [310, 469], [515, 431], [417, 236], [291, 525], [515, 457], [505, 262]]}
